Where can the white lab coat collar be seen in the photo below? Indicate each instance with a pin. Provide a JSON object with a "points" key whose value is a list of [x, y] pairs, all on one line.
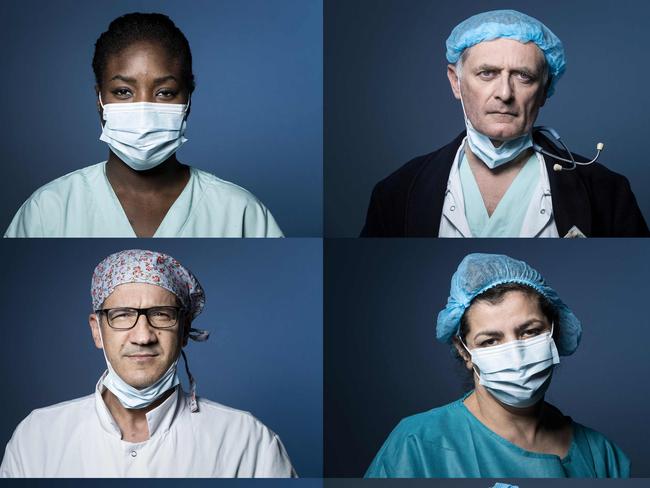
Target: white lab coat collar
{"points": [[159, 420], [538, 222]]}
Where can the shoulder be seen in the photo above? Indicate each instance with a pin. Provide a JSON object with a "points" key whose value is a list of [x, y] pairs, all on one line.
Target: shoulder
{"points": [[608, 459], [220, 417], [439, 160], [43, 423], [599, 175], [593, 437], [403, 453], [62, 186], [428, 425], [43, 212], [217, 189], [234, 210]]}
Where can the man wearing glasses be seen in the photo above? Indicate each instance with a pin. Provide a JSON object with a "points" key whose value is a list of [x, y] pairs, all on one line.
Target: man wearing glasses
{"points": [[139, 422]]}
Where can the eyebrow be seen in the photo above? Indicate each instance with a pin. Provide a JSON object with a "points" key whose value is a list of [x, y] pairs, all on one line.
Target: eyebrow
{"points": [[519, 328], [519, 69], [157, 81]]}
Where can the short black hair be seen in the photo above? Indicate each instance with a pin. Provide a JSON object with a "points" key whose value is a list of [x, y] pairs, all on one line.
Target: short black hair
{"points": [[136, 27], [496, 295]]}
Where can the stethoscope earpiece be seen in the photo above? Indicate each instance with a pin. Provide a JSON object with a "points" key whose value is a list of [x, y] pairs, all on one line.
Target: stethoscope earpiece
{"points": [[558, 167]]}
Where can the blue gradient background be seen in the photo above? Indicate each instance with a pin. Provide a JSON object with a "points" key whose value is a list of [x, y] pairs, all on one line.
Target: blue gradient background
{"points": [[256, 113], [383, 363], [387, 97], [263, 308]]}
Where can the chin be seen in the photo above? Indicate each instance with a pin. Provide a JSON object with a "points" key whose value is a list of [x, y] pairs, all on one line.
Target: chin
{"points": [[141, 382], [504, 134]]}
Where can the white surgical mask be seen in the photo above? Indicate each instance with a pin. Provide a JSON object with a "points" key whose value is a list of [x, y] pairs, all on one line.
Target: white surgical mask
{"points": [[131, 397], [144, 134], [517, 373], [482, 147]]}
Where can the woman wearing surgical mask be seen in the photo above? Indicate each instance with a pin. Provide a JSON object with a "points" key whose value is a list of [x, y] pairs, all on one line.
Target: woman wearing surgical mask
{"points": [[144, 85], [509, 329]]}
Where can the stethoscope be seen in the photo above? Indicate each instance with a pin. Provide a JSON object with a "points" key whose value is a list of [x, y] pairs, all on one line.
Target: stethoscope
{"points": [[558, 167]]}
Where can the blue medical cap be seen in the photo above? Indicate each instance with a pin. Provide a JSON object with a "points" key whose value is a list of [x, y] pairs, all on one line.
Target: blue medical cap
{"points": [[510, 24], [504, 485], [477, 273]]}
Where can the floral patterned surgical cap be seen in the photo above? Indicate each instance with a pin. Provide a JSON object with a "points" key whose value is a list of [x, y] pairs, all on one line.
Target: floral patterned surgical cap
{"points": [[155, 268]]}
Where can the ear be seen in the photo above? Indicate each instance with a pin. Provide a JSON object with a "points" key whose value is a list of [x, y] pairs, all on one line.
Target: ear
{"points": [[452, 75], [462, 352], [93, 321]]}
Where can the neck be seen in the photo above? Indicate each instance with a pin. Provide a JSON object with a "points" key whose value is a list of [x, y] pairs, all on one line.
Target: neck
{"points": [[132, 421], [507, 421], [123, 177]]}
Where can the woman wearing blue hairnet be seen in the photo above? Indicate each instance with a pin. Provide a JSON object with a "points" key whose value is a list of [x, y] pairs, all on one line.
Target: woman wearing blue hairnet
{"points": [[509, 329]]}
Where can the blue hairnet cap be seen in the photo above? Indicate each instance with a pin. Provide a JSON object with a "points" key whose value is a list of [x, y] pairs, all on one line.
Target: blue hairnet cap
{"points": [[477, 273], [509, 24]]}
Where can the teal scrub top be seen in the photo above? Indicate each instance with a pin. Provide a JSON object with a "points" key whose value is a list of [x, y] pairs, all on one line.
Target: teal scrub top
{"points": [[508, 217], [449, 442]]}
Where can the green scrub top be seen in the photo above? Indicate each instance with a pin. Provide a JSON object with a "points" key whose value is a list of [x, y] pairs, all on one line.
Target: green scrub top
{"points": [[508, 217], [449, 442]]}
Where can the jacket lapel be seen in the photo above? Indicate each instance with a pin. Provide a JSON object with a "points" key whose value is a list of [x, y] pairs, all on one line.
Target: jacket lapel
{"points": [[426, 194]]}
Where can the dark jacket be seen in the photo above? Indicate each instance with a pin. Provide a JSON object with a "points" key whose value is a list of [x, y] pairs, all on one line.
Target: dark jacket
{"points": [[408, 203]]}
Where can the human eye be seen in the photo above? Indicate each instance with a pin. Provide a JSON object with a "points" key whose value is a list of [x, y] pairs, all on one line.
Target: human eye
{"points": [[487, 74], [525, 77], [122, 93], [162, 313], [166, 94], [488, 342], [532, 332], [121, 313]]}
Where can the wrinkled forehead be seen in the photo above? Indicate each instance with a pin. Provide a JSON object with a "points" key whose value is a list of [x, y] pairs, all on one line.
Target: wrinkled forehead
{"points": [[140, 295], [504, 52]]}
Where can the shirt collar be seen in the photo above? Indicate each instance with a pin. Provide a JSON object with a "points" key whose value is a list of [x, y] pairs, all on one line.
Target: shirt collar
{"points": [[159, 420]]}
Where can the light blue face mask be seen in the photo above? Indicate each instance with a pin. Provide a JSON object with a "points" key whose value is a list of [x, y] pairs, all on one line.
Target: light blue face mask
{"points": [[482, 147], [492, 156]]}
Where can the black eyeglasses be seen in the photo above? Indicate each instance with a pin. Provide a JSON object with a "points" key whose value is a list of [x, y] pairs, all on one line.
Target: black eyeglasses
{"points": [[125, 318]]}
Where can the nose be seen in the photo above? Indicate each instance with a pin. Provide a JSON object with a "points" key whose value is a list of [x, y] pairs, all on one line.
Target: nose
{"points": [[142, 333], [504, 91]]}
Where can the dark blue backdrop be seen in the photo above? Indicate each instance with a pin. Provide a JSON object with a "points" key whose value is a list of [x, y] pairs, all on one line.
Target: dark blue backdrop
{"points": [[382, 362], [263, 308], [387, 97], [256, 114]]}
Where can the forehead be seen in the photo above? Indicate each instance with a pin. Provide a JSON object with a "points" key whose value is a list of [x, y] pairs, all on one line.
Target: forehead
{"points": [[505, 52], [139, 295], [143, 58], [515, 308]]}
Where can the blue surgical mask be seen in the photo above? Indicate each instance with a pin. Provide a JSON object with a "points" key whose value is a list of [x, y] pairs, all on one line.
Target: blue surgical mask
{"points": [[131, 397], [483, 148], [144, 134], [517, 373]]}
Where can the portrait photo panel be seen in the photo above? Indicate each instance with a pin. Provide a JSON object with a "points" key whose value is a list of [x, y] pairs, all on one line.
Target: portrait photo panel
{"points": [[255, 116], [263, 312], [388, 99], [383, 362]]}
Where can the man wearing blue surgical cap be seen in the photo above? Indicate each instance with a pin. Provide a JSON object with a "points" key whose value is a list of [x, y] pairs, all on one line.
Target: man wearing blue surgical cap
{"points": [[509, 328], [500, 177]]}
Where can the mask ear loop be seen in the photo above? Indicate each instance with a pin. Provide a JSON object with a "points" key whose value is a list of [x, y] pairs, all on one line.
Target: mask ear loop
{"points": [[194, 406], [470, 355]]}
